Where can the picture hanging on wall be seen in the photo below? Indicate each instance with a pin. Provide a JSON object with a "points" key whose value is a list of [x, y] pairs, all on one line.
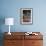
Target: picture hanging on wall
{"points": [[26, 15]]}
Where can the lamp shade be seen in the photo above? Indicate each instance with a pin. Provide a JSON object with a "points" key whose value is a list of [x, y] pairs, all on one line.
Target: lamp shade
{"points": [[9, 21]]}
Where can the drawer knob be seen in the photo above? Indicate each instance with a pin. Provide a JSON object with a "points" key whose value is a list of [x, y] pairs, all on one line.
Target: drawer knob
{"points": [[33, 42]]}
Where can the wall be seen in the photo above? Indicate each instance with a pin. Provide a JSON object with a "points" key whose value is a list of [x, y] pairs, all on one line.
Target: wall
{"points": [[11, 8]]}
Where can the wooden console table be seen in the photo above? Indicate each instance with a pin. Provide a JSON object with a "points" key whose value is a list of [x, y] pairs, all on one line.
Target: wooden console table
{"points": [[20, 39]]}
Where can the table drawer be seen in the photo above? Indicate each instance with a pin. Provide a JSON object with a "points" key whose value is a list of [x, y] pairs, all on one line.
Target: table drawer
{"points": [[13, 43], [9, 43], [16, 37], [33, 43], [33, 37]]}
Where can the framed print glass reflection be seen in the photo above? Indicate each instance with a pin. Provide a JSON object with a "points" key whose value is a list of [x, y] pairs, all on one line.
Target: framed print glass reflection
{"points": [[26, 16]]}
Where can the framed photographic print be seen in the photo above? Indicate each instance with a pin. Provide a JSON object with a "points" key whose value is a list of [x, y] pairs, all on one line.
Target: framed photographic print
{"points": [[26, 15]]}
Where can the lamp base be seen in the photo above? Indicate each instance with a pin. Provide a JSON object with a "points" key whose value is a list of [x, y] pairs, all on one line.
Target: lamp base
{"points": [[9, 33]]}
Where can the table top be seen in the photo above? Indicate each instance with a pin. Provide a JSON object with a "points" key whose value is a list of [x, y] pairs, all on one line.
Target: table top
{"points": [[22, 35]]}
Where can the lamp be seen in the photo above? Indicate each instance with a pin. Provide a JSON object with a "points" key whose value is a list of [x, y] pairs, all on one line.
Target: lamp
{"points": [[9, 21]]}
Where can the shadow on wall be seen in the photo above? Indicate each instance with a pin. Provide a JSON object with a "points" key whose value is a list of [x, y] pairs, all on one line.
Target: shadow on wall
{"points": [[2, 21]]}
